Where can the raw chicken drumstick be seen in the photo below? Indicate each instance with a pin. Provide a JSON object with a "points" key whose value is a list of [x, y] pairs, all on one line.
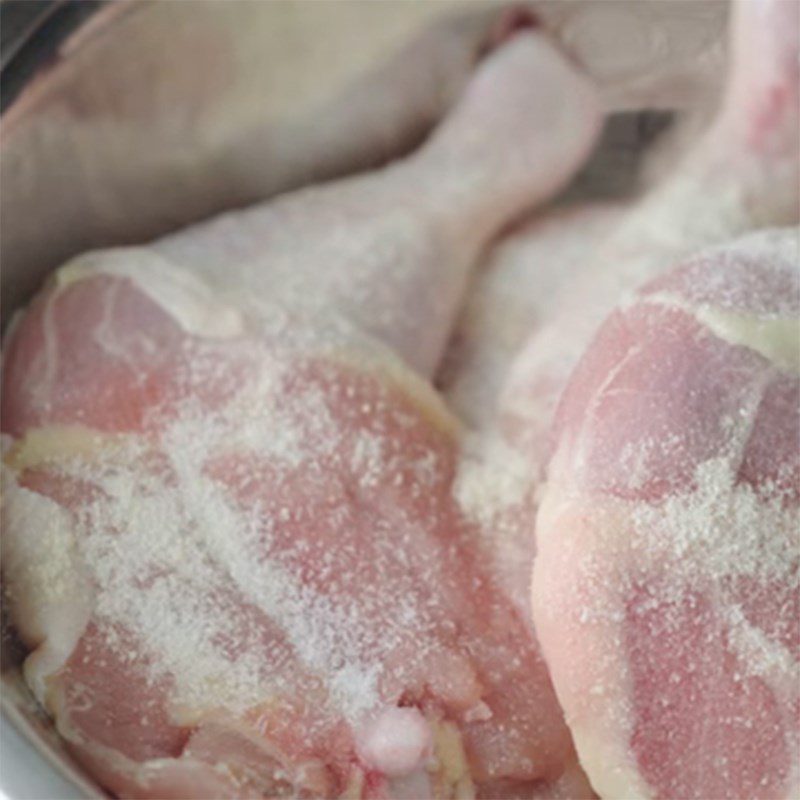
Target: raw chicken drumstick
{"points": [[374, 257], [743, 173], [229, 537], [672, 58], [665, 588], [666, 585]]}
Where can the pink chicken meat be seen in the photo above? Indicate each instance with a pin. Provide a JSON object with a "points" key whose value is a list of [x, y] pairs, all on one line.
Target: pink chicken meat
{"points": [[230, 540], [667, 580]]}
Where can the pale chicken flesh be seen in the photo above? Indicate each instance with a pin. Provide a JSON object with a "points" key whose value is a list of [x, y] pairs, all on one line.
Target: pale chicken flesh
{"points": [[666, 585]]}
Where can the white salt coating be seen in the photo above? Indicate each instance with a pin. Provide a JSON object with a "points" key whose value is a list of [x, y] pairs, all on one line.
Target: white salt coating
{"points": [[722, 529], [266, 252], [50, 593], [492, 478], [760, 275], [703, 541], [492, 485], [203, 560], [711, 539]]}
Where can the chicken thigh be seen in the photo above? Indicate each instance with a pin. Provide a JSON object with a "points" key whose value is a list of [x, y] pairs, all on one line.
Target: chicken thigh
{"points": [[666, 585], [230, 541]]}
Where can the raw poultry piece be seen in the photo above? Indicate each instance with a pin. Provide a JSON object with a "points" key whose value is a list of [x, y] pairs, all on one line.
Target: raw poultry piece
{"points": [[666, 585], [372, 257], [744, 173], [654, 55], [230, 541]]}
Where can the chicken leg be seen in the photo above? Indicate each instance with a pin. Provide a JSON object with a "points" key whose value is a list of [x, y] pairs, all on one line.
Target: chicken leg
{"points": [[666, 585], [230, 540]]}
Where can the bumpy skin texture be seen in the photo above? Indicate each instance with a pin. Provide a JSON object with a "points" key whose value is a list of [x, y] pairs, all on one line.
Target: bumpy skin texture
{"points": [[256, 581], [666, 587]]}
